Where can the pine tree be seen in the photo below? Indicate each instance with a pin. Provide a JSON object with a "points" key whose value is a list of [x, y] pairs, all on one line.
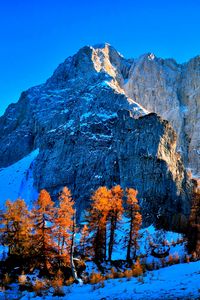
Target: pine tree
{"points": [[115, 214], [17, 227], [98, 214], [43, 216], [135, 222]]}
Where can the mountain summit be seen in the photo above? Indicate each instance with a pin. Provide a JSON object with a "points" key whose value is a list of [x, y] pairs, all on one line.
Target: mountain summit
{"points": [[158, 85]]}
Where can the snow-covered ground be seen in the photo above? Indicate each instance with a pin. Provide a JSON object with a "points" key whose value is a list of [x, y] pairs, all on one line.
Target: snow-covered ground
{"points": [[180, 281], [17, 180], [150, 234], [172, 282]]}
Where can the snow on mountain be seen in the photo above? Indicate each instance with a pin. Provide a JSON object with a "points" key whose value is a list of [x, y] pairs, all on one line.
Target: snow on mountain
{"points": [[16, 181]]}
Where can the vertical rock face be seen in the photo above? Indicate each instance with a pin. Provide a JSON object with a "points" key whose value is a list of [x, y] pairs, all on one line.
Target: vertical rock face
{"points": [[92, 126], [172, 91], [139, 153], [147, 158], [189, 93]]}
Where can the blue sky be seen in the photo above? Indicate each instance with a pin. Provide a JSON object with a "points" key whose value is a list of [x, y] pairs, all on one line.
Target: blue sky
{"points": [[37, 35]]}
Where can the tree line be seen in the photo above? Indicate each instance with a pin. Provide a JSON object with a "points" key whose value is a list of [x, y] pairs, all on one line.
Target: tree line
{"points": [[44, 236]]}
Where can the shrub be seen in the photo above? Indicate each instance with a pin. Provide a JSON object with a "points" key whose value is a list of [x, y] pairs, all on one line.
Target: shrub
{"points": [[150, 266], [137, 269], [140, 279], [165, 243], [6, 279], [170, 260], [187, 258], [39, 287], [69, 281], [194, 256], [176, 258], [128, 274], [96, 278], [57, 284], [120, 274], [173, 243], [163, 262], [22, 279], [114, 272], [109, 276]]}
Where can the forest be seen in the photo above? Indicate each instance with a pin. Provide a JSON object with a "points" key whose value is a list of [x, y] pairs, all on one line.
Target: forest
{"points": [[43, 240]]}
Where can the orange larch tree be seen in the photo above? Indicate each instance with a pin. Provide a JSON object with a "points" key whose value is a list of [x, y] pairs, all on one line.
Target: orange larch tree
{"points": [[135, 222], [43, 215], [16, 228], [63, 224], [115, 214], [193, 230], [98, 214]]}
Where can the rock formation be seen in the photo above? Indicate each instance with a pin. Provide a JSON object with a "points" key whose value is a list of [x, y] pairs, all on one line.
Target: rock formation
{"points": [[92, 126], [172, 91]]}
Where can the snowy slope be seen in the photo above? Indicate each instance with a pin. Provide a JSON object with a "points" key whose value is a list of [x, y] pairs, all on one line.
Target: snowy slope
{"points": [[17, 180], [175, 282], [168, 283]]}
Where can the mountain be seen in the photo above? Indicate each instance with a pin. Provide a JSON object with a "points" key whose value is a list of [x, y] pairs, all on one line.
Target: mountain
{"points": [[96, 122]]}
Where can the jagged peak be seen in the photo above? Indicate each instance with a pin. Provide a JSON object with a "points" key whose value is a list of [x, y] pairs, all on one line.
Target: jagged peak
{"points": [[101, 45], [194, 61]]}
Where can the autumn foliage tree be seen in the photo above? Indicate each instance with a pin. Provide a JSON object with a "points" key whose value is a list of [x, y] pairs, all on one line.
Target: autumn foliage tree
{"points": [[16, 227], [98, 215], [63, 222], [46, 234], [135, 222], [43, 217], [106, 210], [115, 213], [194, 221]]}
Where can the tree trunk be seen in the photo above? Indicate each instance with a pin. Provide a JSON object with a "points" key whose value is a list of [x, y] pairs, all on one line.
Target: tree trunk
{"points": [[99, 244], [105, 243], [112, 235], [128, 256], [73, 268]]}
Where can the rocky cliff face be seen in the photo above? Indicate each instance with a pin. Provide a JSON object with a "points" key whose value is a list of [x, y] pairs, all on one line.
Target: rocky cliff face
{"points": [[172, 91], [147, 159], [86, 137]]}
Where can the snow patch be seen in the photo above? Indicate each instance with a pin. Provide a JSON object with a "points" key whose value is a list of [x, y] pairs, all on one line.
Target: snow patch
{"points": [[16, 181]]}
